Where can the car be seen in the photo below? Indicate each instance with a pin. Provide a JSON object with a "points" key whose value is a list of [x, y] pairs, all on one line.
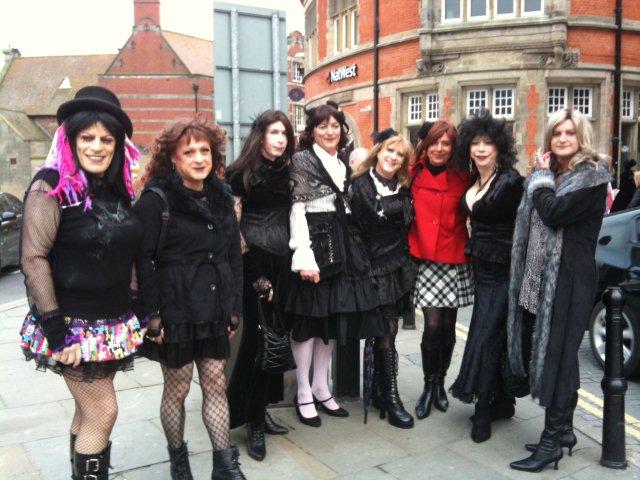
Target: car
{"points": [[10, 225], [618, 262]]}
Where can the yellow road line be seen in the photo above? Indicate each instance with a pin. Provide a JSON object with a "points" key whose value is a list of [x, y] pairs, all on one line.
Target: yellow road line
{"points": [[587, 401]]}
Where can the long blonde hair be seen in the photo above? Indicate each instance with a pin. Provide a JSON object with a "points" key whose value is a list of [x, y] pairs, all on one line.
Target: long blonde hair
{"points": [[404, 177], [584, 132]]}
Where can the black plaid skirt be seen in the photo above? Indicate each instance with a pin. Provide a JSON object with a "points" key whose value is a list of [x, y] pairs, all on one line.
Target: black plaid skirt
{"points": [[443, 285]]}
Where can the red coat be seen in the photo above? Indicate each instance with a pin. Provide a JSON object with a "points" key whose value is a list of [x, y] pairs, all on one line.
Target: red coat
{"points": [[439, 231]]}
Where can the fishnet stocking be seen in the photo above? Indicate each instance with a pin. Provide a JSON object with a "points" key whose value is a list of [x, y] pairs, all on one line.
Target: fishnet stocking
{"points": [[96, 412], [439, 327], [177, 382], [215, 409]]}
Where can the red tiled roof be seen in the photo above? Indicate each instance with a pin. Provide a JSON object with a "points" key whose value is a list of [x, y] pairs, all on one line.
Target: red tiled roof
{"points": [[31, 83], [195, 53]]}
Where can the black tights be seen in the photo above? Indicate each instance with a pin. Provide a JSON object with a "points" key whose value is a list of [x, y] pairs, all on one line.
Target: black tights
{"points": [[215, 409], [439, 327], [389, 339]]}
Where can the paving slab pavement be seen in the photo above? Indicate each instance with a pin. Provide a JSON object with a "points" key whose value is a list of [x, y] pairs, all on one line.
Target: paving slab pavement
{"points": [[36, 409]]}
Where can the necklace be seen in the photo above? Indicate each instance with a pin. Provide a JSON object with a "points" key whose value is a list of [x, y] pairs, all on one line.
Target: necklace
{"points": [[481, 184]]}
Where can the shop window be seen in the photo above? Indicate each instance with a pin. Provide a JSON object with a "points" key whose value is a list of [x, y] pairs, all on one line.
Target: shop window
{"points": [[627, 105], [415, 108]]}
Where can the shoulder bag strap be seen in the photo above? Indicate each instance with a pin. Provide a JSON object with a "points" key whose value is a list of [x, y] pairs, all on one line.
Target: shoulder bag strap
{"points": [[165, 220]]}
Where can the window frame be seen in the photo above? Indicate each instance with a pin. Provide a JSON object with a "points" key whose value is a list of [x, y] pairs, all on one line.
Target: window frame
{"points": [[566, 97], [443, 11], [427, 103], [533, 13], [590, 97], [468, 99], [419, 110], [631, 105], [296, 76], [510, 116], [298, 109], [477, 17], [513, 14]]}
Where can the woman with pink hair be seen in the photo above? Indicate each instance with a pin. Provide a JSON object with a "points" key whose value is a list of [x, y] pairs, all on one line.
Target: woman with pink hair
{"points": [[79, 240]]}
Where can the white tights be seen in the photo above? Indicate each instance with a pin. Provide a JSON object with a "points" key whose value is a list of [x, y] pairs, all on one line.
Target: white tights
{"points": [[303, 353]]}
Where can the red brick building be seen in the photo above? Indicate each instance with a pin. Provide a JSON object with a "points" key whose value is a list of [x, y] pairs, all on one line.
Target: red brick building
{"points": [[160, 76], [522, 59], [295, 75]]}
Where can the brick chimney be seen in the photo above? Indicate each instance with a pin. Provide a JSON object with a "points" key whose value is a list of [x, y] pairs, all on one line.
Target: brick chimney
{"points": [[146, 15], [9, 55]]}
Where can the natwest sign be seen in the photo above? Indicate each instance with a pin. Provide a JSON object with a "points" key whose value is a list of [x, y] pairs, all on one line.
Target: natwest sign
{"points": [[342, 73]]}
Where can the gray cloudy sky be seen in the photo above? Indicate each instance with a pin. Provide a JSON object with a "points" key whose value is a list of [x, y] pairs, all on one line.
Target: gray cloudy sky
{"points": [[66, 27]]}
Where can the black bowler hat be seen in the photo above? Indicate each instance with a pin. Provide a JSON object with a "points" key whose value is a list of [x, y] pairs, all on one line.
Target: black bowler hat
{"points": [[94, 97]]}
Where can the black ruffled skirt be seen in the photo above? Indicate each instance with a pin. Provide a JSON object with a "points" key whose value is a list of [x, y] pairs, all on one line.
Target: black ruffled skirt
{"points": [[395, 287], [339, 307], [487, 339]]}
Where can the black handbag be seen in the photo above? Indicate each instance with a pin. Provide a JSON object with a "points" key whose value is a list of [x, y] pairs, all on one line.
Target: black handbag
{"points": [[327, 243], [274, 353]]}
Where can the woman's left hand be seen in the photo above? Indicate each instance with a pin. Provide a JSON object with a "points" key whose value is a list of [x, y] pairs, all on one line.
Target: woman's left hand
{"points": [[69, 355], [543, 160]]}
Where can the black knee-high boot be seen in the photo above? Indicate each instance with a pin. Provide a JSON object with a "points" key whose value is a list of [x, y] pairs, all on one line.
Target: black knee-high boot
{"points": [[391, 403], [430, 368], [441, 401], [72, 447], [548, 449], [92, 466]]}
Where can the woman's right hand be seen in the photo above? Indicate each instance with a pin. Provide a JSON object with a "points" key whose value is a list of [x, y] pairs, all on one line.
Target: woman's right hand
{"points": [[69, 355], [310, 275]]}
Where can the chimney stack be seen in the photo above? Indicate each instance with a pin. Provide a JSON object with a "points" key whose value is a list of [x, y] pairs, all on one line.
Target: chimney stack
{"points": [[146, 15]]}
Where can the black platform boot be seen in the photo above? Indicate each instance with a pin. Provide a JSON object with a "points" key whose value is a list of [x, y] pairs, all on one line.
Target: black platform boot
{"points": [[567, 438], [179, 463], [430, 367], [256, 445], [548, 449], [481, 429], [391, 403], [93, 466], [72, 447], [441, 401], [226, 465]]}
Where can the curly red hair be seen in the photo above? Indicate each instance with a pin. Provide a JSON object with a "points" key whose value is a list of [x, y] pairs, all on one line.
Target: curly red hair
{"points": [[165, 145]]}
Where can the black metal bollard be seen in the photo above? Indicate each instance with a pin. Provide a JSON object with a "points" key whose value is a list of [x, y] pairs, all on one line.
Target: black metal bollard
{"points": [[345, 370], [614, 384]]}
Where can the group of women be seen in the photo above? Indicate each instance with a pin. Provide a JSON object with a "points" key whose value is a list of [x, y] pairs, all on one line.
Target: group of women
{"points": [[301, 240]]}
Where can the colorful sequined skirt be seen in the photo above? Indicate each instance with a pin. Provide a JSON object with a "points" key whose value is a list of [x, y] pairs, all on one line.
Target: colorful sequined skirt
{"points": [[106, 345]]}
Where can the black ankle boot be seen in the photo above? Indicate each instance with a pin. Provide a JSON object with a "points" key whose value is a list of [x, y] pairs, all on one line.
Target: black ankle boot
{"points": [[430, 367], [226, 465], [481, 429], [256, 446], [93, 466], [391, 403], [566, 438], [179, 463], [548, 449], [72, 447]]}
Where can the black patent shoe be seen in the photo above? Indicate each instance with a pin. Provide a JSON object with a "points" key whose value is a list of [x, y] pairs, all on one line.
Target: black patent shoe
{"points": [[338, 412], [273, 428], [423, 406], [256, 446], [312, 421], [441, 402], [179, 467]]}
